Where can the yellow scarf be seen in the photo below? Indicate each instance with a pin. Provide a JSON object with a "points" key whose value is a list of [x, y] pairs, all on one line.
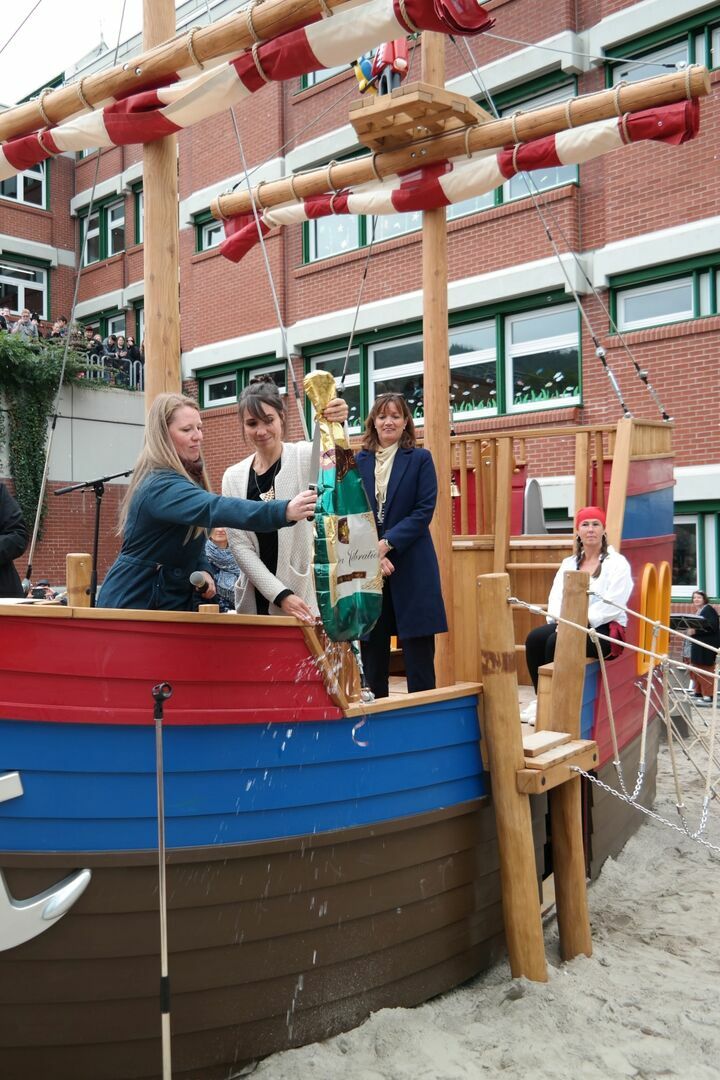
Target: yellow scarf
{"points": [[384, 459]]}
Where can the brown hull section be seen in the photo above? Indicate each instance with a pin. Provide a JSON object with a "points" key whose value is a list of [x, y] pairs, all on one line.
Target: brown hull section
{"points": [[272, 945], [614, 821]]}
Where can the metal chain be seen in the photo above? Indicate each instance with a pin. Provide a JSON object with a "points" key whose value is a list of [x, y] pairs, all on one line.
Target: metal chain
{"points": [[652, 813]]}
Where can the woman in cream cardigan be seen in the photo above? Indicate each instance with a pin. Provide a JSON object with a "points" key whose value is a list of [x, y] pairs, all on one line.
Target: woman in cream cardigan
{"points": [[275, 569]]}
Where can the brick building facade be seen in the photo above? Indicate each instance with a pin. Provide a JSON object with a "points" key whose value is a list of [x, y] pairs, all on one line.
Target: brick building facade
{"points": [[640, 225]]}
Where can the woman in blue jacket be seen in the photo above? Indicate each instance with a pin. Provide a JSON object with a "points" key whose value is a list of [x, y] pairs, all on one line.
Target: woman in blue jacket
{"points": [[167, 510], [401, 484]]}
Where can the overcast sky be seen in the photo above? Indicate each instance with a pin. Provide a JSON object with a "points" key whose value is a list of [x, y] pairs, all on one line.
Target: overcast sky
{"points": [[57, 34]]}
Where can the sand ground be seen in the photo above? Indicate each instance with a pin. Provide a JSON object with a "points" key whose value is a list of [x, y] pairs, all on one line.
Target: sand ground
{"points": [[645, 1005]]}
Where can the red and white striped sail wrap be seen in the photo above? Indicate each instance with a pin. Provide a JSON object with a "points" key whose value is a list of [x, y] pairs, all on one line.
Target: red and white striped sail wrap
{"points": [[449, 182], [154, 112]]}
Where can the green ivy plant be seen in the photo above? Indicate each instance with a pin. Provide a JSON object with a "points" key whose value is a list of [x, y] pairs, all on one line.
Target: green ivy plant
{"points": [[29, 380]]}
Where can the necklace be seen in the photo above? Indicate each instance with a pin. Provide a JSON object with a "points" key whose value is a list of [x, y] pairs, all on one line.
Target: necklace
{"points": [[265, 482]]}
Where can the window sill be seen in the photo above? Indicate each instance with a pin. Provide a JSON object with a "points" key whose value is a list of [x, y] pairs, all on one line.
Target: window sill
{"points": [[706, 324], [27, 208], [203, 256], [310, 91], [110, 261]]}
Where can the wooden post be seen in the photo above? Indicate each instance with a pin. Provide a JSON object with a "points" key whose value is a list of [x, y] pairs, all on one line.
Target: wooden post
{"points": [[565, 801], [582, 469], [501, 729], [162, 265], [619, 476], [503, 498], [78, 569], [437, 378]]}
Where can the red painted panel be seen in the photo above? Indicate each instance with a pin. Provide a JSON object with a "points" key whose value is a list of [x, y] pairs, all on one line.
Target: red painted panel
{"points": [[95, 671]]}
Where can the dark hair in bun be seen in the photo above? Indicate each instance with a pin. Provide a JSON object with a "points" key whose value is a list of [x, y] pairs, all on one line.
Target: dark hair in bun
{"points": [[261, 393]]}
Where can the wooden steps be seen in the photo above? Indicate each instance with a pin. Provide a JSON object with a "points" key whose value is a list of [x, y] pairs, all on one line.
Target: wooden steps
{"points": [[548, 757]]}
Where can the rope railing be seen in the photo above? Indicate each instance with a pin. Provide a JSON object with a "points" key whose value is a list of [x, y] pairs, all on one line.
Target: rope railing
{"points": [[664, 663]]}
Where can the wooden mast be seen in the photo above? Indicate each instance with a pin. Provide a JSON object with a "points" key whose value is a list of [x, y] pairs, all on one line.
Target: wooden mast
{"points": [[437, 378], [161, 239]]}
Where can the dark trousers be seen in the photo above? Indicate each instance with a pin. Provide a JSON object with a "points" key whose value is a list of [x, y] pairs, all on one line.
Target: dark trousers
{"points": [[540, 647], [418, 653]]}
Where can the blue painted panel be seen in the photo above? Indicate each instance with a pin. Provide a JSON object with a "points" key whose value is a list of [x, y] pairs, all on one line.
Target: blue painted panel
{"points": [[89, 787], [590, 687], [649, 514]]}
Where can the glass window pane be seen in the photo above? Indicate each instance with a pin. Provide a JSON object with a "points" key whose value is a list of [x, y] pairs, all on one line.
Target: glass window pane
{"points": [[9, 295], [221, 390], [403, 352], [410, 386], [116, 324], [473, 387], [545, 376], [685, 568], [704, 292], [33, 190], [478, 339], [35, 300], [333, 235], [277, 372], [315, 77], [546, 324], [471, 206], [8, 188], [656, 304], [389, 225], [519, 187], [714, 47], [116, 228], [335, 364], [657, 62]]}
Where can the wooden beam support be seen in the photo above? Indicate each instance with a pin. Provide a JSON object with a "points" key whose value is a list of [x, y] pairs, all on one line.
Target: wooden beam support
{"points": [[662, 90], [622, 452], [437, 380], [501, 730], [78, 570], [161, 248]]}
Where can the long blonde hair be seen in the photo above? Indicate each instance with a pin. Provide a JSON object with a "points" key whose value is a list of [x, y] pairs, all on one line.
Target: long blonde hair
{"points": [[158, 450]]}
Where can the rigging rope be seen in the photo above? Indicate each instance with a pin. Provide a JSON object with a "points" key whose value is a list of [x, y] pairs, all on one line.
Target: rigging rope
{"points": [[56, 404], [19, 28], [534, 192], [664, 663], [586, 56]]}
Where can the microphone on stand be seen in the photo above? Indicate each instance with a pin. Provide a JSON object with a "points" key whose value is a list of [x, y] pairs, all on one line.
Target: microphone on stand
{"points": [[199, 582]]}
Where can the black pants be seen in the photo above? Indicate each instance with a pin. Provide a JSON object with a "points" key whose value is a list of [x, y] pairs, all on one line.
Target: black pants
{"points": [[540, 647], [418, 653]]}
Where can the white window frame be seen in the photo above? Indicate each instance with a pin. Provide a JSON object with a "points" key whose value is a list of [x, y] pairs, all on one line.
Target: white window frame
{"points": [[623, 295], [631, 71], [140, 216], [404, 220], [215, 380], [35, 172], [116, 324], [21, 285], [211, 235], [114, 223], [352, 379], [527, 348], [89, 233], [678, 592], [395, 372], [480, 356], [270, 369]]}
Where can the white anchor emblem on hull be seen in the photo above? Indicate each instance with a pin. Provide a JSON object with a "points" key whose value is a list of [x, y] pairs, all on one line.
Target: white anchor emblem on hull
{"points": [[22, 920]]}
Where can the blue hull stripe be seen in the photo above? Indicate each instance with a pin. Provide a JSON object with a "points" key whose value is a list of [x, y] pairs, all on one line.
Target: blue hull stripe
{"points": [[92, 787], [652, 508]]}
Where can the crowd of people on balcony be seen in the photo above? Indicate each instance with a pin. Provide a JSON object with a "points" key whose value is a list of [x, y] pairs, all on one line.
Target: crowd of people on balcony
{"points": [[115, 359]]}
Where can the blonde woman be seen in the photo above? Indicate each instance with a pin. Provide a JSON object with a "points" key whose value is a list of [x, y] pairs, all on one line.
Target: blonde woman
{"points": [[167, 510]]}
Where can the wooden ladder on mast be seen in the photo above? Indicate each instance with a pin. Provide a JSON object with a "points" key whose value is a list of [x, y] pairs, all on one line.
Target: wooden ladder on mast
{"points": [[539, 762]]}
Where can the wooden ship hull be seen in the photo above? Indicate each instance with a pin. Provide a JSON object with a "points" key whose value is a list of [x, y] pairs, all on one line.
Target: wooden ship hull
{"points": [[324, 859]]}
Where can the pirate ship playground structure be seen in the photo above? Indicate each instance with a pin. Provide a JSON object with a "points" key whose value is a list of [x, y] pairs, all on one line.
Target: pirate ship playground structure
{"points": [[323, 857]]}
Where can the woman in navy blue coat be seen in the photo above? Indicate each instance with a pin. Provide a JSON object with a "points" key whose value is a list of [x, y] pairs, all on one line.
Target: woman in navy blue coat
{"points": [[167, 510], [401, 484]]}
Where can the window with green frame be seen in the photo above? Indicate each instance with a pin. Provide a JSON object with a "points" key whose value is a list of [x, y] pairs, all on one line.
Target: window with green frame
{"points": [[694, 40], [103, 231], [223, 384], [519, 357], [107, 322], [665, 294], [335, 235], [139, 200], [314, 78], [208, 232]]}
